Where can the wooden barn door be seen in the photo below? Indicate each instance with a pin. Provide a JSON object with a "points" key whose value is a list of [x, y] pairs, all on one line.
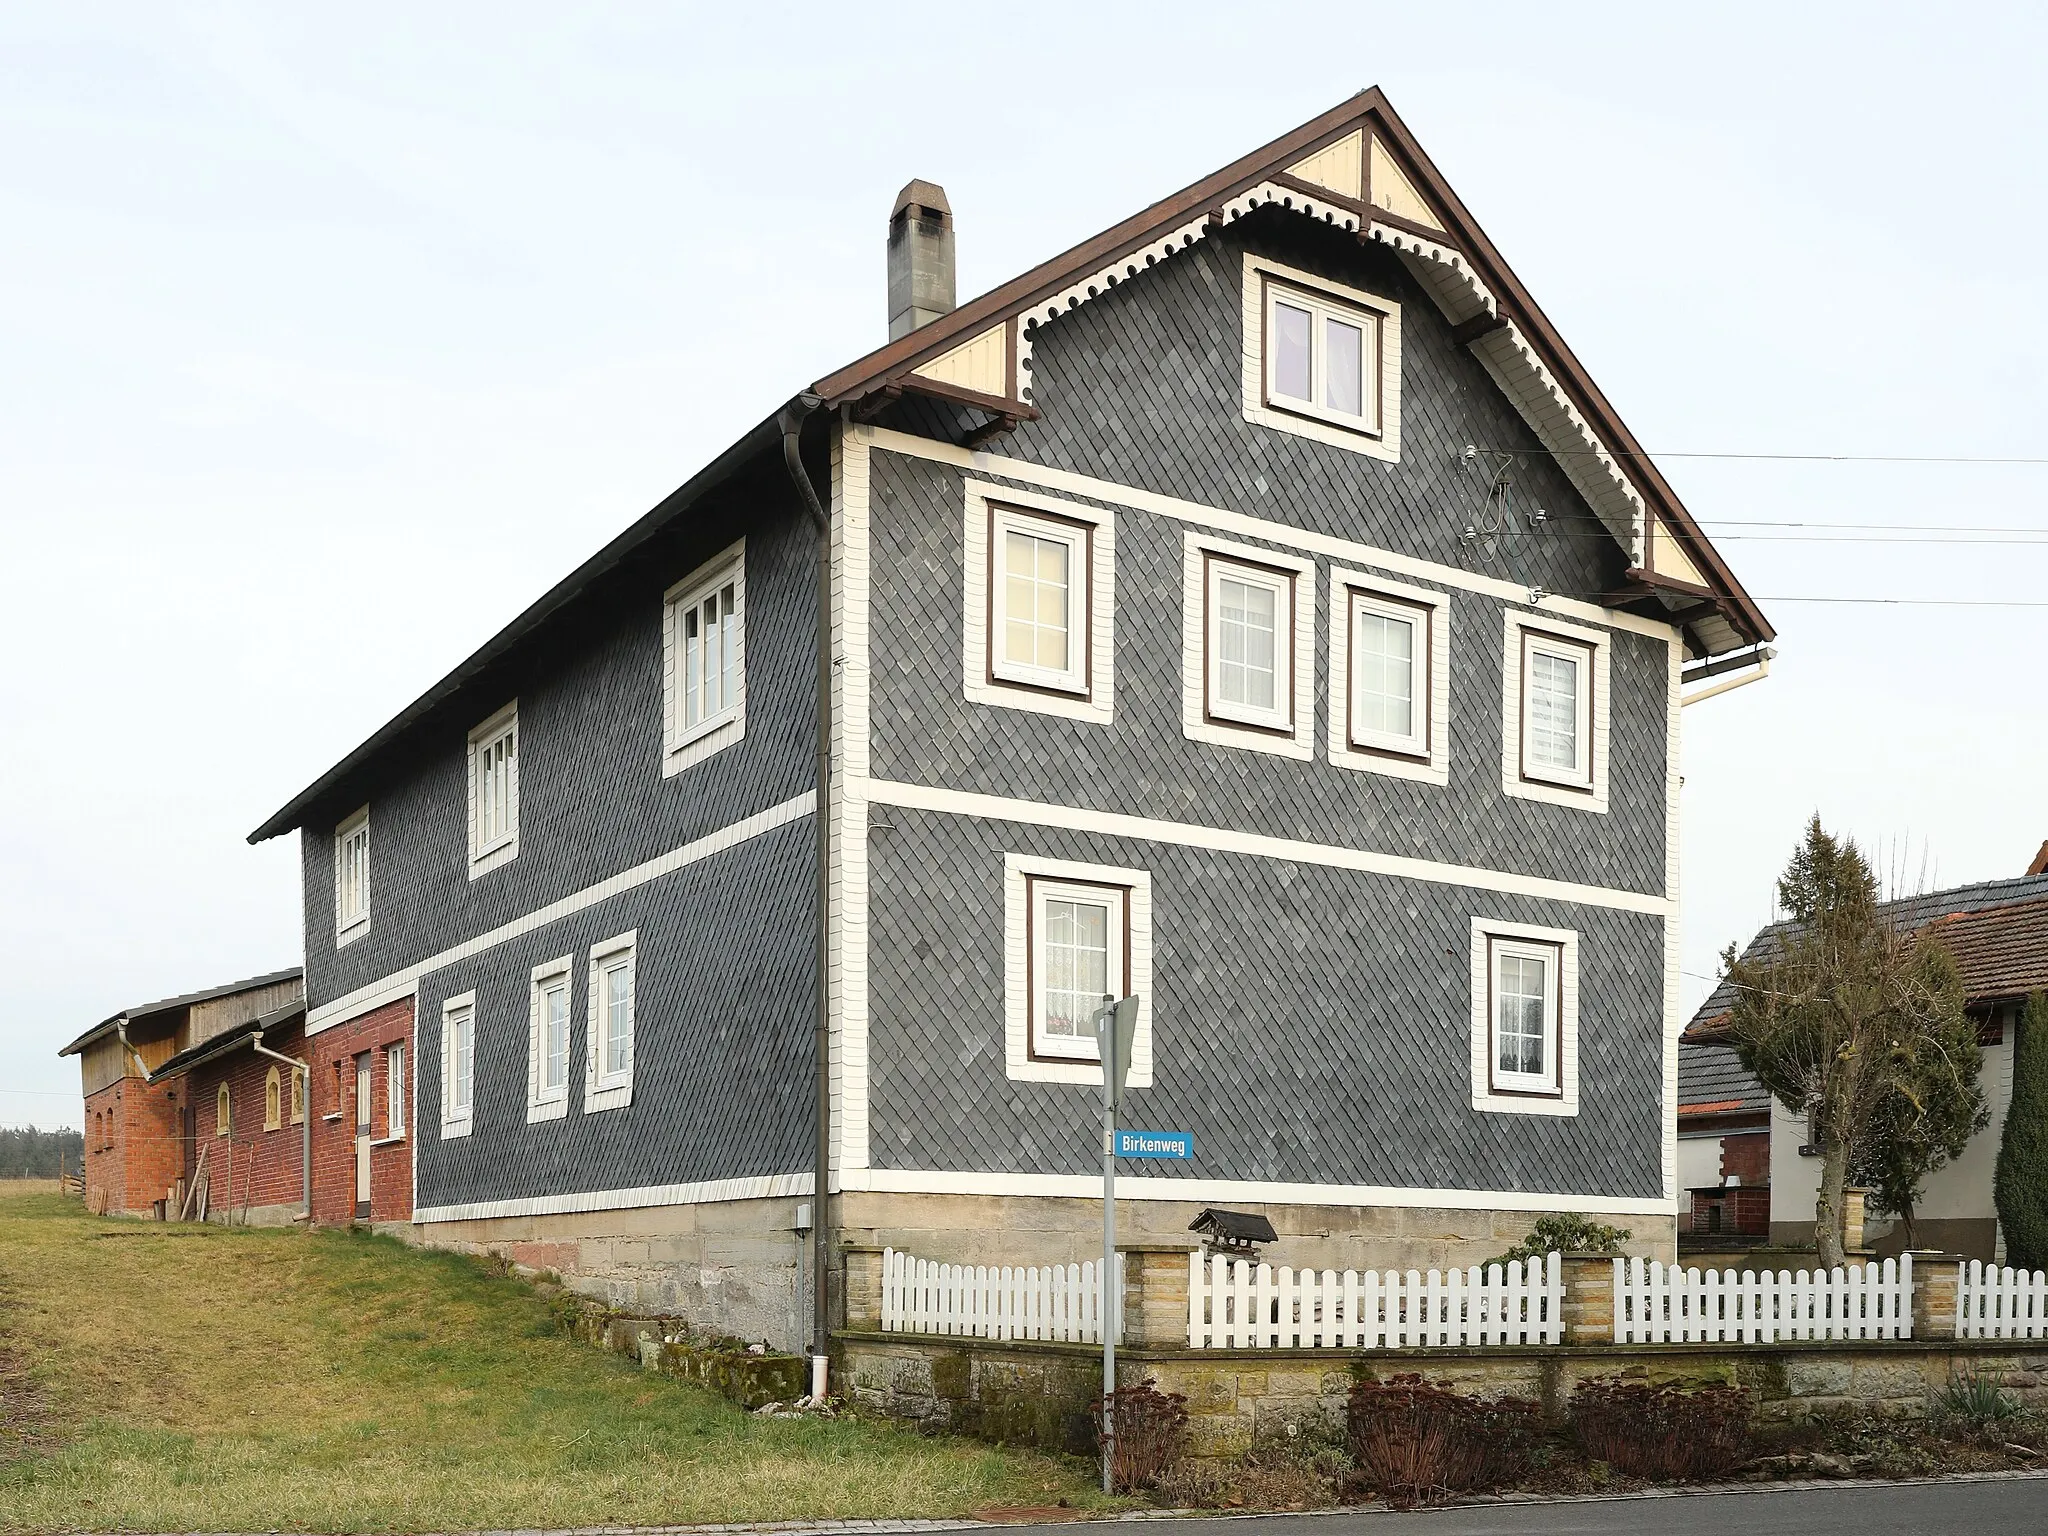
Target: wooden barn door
{"points": [[363, 1135]]}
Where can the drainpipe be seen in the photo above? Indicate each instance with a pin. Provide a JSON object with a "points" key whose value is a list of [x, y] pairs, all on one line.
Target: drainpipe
{"points": [[305, 1123], [792, 420], [121, 1031]]}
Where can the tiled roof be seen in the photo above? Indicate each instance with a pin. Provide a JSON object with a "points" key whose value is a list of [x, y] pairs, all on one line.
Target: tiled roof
{"points": [[1997, 929], [1711, 1081], [183, 1000]]}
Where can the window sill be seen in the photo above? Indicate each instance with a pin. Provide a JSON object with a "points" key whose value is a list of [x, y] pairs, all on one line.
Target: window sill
{"points": [[352, 932], [702, 743], [493, 858], [330, 1119], [387, 1141]]}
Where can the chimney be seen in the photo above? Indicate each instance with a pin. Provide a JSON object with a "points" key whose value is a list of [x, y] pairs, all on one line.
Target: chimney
{"points": [[920, 257]]}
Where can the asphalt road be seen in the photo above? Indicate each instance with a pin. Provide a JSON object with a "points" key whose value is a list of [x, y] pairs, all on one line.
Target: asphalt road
{"points": [[2006, 1507]]}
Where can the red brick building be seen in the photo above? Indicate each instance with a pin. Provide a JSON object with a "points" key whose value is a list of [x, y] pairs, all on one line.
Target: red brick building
{"points": [[246, 1158], [139, 1134], [363, 1072]]}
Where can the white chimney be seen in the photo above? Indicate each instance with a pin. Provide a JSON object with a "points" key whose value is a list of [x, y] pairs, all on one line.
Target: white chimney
{"points": [[920, 257]]}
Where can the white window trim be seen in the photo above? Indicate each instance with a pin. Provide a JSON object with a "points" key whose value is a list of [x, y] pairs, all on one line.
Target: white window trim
{"points": [[1435, 768], [349, 930], [681, 748], [1564, 942], [505, 847], [549, 1103], [1077, 540], [602, 1090], [1591, 793], [395, 1117], [1197, 717], [1018, 871], [1305, 421], [456, 1122], [1097, 703]]}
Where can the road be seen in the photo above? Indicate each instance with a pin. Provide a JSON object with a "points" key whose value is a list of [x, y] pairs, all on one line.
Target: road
{"points": [[2004, 1507]]}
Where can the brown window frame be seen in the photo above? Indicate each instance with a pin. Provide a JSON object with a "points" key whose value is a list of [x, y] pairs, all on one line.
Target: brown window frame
{"points": [[1031, 979], [1425, 616], [1553, 1031]]}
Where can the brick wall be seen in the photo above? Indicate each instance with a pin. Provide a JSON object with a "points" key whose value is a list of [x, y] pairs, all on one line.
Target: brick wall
{"points": [[1747, 1158], [333, 1053], [132, 1147], [263, 1170]]}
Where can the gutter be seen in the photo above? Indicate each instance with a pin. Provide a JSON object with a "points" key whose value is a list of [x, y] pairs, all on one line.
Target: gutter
{"points": [[791, 419], [305, 1122], [1762, 656]]}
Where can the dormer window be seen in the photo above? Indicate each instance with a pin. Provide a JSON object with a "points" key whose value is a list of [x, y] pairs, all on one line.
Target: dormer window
{"points": [[1321, 359]]}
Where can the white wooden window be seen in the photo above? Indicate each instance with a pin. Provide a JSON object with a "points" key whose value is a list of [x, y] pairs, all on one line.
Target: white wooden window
{"points": [[298, 1096], [1249, 644], [1524, 1018], [608, 1073], [394, 1090], [1039, 583], [273, 1100], [458, 1064], [223, 1112], [1073, 934], [352, 877], [1389, 678], [1556, 725], [1321, 359], [1039, 592], [494, 791], [704, 660], [547, 1056], [1247, 647]]}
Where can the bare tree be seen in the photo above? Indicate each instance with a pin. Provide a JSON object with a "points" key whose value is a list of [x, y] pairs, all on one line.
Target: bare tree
{"points": [[1855, 1019]]}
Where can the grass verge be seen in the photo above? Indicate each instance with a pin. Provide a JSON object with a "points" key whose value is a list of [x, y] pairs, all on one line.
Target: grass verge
{"points": [[165, 1378]]}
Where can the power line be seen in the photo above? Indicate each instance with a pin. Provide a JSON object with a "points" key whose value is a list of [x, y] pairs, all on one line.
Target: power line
{"points": [[1778, 458]]}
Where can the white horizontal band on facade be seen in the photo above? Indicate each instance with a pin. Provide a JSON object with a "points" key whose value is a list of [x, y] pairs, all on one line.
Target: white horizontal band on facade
{"points": [[772, 1186], [405, 983], [1088, 1186], [1241, 524], [957, 802]]}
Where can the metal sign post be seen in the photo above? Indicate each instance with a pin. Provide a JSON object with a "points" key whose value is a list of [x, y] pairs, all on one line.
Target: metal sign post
{"points": [[1116, 1026]]}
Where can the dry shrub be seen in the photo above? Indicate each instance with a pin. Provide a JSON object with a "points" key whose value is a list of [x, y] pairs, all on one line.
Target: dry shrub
{"points": [[1151, 1432], [1267, 1478], [1668, 1433], [1421, 1441]]}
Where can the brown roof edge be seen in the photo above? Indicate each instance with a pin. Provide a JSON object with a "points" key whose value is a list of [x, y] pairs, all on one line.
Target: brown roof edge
{"points": [[1368, 106], [1050, 276], [1536, 325]]}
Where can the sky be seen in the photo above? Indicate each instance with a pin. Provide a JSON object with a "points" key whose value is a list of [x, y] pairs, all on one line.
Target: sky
{"points": [[331, 337]]}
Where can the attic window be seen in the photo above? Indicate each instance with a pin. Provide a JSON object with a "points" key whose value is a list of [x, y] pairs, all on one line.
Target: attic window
{"points": [[1322, 360]]}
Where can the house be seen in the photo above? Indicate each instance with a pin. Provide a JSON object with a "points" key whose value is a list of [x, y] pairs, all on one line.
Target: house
{"points": [[1724, 1147], [1998, 932], [1256, 609], [140, 1133]]}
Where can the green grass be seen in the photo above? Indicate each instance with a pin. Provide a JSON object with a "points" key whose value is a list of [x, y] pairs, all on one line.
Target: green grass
{"points": [[178, 1378]]}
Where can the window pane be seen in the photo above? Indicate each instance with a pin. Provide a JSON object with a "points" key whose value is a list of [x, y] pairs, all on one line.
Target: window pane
{"points": [[729, 681], [1076, 965], [1553, 711], [693, 646], [1522, 999], [714, 657], [459, 1060], [1343, 367], [555, 1038], [1385, 687], [1247, 643], [1036, 584], [617, 1017], [1291, 352]]}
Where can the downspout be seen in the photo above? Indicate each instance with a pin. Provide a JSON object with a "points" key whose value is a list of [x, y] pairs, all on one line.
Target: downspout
{"points": [[792, 420], [305, 1124]]}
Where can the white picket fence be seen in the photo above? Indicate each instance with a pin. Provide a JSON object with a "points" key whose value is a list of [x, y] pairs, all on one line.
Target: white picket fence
{"points": [[1053, 1301], [1995, 1303], [1658, 1305], [1235, 1304]]}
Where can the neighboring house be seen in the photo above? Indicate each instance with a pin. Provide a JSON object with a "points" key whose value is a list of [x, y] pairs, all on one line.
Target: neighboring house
{"points": [[1998, 932], [248, 1155], [1724, 1146], [140, 1134], [1256, 609]]}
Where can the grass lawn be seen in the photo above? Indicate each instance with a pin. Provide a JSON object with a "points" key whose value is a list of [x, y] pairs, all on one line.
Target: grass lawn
{"points": [[173, 1378]]}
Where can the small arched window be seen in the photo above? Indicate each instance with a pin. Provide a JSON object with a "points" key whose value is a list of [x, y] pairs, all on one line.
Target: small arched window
{"points": [[298, 1096], [272, 1094], [223, 1112]]}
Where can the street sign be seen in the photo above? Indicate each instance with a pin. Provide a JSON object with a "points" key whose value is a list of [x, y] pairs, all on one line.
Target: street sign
{"points": [[1174, 1144]]}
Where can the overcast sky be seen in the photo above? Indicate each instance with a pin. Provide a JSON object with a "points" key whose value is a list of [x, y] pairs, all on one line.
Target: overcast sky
{"points": [[330, 337]]}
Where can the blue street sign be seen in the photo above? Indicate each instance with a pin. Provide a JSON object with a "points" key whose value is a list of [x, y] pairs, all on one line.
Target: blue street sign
{"points": [[1155, 1144]]}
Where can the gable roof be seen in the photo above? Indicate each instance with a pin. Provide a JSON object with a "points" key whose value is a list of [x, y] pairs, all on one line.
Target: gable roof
{"points": [[1355, 166], [1996, 929], [1711, 1082], [183, 1000]]}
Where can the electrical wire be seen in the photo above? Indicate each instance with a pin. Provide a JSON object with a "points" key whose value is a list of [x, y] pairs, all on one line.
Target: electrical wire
{"points": [[1778, 458]]}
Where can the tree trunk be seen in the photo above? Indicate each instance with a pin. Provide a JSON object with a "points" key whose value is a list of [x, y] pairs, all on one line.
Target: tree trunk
{"points": [[1827, 1210]]}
